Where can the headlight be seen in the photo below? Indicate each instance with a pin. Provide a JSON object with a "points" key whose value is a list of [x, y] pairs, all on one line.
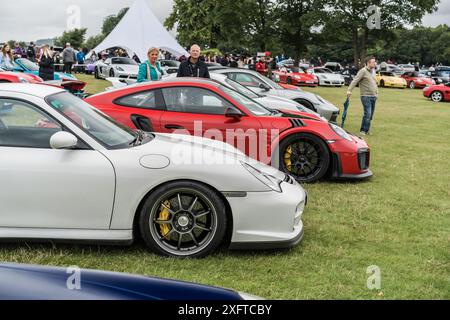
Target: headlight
{"points": [[119, 69], [341, 132], [23, 80], [270, 181], [249, 297]]}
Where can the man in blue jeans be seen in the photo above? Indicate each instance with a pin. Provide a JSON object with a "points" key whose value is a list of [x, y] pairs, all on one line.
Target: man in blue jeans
{"points": [[366, 78]]}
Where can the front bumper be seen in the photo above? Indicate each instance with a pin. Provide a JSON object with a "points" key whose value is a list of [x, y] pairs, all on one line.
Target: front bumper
{"points": [[268, 220], [351, 160], [332, 83]]}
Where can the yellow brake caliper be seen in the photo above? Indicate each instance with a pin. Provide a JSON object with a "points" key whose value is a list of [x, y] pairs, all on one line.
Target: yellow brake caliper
{"points": [[164, 216], [288, 158]]}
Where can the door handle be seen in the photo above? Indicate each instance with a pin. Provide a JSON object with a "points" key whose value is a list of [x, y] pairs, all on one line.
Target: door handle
{"points": [[174, 127]]}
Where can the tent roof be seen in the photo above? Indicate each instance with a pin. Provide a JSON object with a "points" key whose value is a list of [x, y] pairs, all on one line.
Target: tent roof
{"points": [[140, 30]]}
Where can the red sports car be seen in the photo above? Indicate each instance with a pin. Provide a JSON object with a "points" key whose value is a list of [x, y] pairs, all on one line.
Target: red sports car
{"points": [[296, 76], [14, 77], [438, 93], [299, 144], [417, 80]]}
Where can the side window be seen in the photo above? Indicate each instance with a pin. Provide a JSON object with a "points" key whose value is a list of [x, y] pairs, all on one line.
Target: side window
{"points": [[194, 100], [23, 125], [144, 99]]}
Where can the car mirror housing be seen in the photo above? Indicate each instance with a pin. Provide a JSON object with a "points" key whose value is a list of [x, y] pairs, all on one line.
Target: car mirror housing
{"points": [[264, 86], [63, 140], [233, 113]]}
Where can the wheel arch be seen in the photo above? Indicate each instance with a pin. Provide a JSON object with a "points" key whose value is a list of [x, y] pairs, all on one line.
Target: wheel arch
{"points": [[288, 133], [228, 211]]}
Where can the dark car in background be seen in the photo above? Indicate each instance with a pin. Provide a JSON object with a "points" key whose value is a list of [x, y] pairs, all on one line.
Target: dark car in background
{"points": [[28, 282], [440, 74]]}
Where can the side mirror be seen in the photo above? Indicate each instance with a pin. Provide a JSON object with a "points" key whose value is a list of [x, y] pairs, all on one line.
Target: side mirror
{"points": [[63, 140], [233, 113], [264, 86]]}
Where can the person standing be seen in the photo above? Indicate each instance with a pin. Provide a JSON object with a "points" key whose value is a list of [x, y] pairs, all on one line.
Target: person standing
{"points": [[7, 58], [151, 69], [69, 58], [31, 52], [194, 67], [18, 51], [47, 64], [369, 92]]}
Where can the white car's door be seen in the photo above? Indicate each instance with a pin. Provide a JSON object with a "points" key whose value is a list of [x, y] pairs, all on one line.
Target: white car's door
{"points": [[45, 188]]}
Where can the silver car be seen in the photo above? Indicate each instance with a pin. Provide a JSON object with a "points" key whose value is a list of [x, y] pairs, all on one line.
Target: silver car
{"points": [[270, 102], [264, 86]]}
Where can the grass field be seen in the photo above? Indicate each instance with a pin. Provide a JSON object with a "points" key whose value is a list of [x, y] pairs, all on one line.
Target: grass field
{"points": [[399, 221]]}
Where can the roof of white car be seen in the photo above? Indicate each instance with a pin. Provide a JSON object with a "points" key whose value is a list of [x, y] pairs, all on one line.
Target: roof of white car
{"points": [[38, 90]]}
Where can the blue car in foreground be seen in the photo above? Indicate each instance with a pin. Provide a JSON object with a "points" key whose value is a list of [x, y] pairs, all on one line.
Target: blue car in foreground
{"points": [[27, 282], [29, 67]]}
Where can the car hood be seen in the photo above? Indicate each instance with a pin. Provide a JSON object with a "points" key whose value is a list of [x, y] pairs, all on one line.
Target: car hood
{"points": [[129, 68], [28, 282], [331, 76], [274, 102], [187, 150]]}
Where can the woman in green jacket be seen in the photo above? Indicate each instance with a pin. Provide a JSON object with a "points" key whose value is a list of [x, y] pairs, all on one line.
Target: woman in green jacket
{"points": [[151, 69]]}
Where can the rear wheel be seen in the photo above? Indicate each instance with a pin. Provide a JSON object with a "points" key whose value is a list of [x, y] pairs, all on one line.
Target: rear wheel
{"points": [[96, 75], [412, 85], [303, 156], [111, 73], [437, 96], [382, 83], [183, 219]]}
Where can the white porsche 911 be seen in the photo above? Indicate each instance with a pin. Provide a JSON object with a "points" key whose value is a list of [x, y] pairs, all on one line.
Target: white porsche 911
{"points": [[70, 173], [117, 67]]}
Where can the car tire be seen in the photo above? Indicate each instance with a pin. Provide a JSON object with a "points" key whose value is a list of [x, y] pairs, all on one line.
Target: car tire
{"points": [[382, 83], [316, 157], [96, 75], [4, 81], [289, 81], [111, 73], [196, 220], [412, 85], [306, 104], [437, 96]]}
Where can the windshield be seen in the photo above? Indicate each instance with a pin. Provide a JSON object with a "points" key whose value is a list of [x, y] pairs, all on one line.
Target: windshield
{"points": [[297, 70], [273, 84], [98, 125], [123, 61], [322, 70], [241, 89], [254, 107], [31, 66]]}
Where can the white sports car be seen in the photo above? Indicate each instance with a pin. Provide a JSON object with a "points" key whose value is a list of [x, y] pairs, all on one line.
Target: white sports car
{"points": [[327, 77], [70, 173], [118, 67]]}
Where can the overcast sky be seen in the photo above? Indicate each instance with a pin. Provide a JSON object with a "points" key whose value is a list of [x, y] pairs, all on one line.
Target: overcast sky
{"points": [[28, 20]]}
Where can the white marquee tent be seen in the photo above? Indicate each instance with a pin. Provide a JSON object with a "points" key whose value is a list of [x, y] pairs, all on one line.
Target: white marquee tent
{"points": [[140, 30]]}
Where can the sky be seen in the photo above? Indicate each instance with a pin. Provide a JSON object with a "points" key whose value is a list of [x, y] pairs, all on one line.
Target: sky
{"points": [[28, 20]]}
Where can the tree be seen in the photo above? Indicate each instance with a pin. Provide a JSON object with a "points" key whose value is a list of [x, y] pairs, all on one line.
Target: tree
{"points": [[94, 41], [75, 37], [351, 17], [296, 21], [110, 22]]}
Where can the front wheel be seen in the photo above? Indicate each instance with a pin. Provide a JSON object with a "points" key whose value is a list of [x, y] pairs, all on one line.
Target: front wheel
{"points": [[382, 83], [303, 156], [437, 96], [412, 85], [183, 219]]}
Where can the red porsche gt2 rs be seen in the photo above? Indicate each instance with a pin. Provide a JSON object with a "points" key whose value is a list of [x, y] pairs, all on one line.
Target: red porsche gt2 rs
{"points": [[299, 144]]}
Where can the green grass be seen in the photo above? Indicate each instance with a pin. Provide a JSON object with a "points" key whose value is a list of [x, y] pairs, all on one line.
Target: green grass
{"points": [[399, 221]]}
